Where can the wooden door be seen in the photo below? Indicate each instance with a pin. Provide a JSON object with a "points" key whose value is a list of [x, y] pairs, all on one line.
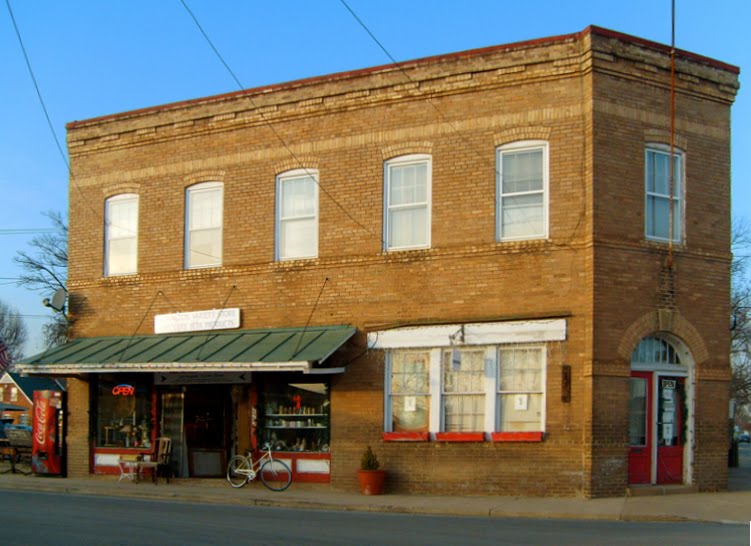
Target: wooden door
{"points": [[640, 428], [670, 403]]}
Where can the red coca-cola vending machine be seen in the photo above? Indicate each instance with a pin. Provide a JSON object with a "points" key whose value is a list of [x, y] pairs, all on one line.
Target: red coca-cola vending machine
{"points": [[48, 431]]}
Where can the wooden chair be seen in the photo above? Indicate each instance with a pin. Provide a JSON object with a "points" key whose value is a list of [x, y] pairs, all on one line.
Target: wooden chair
{"points": [[159, 464]]}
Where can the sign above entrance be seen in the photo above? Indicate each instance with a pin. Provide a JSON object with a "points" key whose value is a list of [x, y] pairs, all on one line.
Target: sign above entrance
{"points": [[197, 321], [201, 378]]}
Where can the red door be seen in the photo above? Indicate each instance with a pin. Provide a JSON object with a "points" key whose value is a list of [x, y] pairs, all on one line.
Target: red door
{"points": [[670, 430], [640, 428]]}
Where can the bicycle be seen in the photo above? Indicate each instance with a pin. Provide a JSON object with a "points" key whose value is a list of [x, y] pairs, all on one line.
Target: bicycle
{"points": [[274, 474]]}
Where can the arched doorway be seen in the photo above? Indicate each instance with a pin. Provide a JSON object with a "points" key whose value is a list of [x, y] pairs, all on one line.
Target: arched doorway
{"points": [[660, 412]]}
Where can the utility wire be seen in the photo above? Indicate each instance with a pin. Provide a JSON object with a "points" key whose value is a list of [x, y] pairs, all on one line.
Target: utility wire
{"points": [[273, 129]]}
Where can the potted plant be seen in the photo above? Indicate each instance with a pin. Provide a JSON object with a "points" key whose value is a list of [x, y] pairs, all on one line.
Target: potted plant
{"points": [[370, 475]]}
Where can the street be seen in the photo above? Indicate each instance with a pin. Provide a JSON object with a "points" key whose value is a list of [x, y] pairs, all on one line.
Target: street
{"points": [[45, 518]]}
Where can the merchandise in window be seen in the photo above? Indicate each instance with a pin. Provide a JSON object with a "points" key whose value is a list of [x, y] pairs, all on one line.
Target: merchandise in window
{"points": [[203, 225], [121, 235], [123, 411], [297, 215], [295, 416], [658, 198], [522, 191], [407, 206]]}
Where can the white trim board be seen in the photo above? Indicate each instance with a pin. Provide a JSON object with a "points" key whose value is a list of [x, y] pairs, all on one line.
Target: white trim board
{"points": [[488, 333]]}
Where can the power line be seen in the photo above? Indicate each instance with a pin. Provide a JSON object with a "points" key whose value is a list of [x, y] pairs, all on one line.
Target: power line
{"points": [[29, 231], [273, 129]]}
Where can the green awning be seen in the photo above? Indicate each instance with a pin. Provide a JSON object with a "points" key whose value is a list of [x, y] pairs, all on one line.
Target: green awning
{"points": [[291, 349]]}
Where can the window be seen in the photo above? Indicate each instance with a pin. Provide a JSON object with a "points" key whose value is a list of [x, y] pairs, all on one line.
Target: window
{"points": [[658, 199], [297, 215], [410, 391], [520, 390], [14, 394], [522, 189], [121, 235], [407, 202], [203, 225], [123, 411], [485, 389]]}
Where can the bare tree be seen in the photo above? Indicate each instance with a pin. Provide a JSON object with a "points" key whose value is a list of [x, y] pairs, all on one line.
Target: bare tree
{"points": [[45, 270], [12, 331], [740, 300]]}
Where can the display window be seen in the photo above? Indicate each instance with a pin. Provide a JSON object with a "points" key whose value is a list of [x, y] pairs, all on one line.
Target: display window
{"points": [[123, 411], [295, 416]]}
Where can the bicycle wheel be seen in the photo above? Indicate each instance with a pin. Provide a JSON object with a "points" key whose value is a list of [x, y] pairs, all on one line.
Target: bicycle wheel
{"points": [[276, 475], [238, 471]]}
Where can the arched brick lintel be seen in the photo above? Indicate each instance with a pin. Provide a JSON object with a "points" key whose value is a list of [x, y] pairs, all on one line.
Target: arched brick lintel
{"points": [[661, 320]]}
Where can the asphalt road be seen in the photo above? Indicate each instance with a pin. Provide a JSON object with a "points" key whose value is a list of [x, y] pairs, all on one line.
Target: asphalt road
{"points": [[44, 518]]}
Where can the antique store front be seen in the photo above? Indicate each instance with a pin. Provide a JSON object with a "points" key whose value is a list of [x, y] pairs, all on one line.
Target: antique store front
{"points": [[213, 394]]}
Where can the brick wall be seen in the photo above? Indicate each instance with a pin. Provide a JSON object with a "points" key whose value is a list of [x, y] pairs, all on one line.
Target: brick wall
{"points": [[594, 269]]}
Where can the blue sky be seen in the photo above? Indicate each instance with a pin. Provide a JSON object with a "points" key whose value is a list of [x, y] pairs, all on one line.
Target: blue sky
{"points": [[93, 58]]}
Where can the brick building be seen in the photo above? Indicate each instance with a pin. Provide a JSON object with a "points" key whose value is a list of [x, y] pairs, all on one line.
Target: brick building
{"points": [[465, 261]]}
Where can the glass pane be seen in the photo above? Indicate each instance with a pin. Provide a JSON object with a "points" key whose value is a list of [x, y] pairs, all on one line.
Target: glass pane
{"points": [[410, 413], [465, 373], [463, 413], [298, 197], [522, 216], [408, 227], [408, 184], [409, 373], [520, 370], [124, 411], [522, 171], [205, 209], [122, 256], [520, 412], [299, 238], [637, 416], [122, 218], [669, 409], [205, 247]]}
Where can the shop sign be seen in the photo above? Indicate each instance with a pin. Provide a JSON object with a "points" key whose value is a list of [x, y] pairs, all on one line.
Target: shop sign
{"points": [[123, 390], [197, 321], [201, 378]]}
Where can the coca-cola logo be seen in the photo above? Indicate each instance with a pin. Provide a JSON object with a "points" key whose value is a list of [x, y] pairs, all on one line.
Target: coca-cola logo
{"points": [[123, 390], [41, 419]]}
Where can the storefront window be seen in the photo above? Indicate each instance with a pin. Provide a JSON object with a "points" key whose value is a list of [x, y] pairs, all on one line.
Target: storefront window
{"points": [[124, 411], [295, 416]]}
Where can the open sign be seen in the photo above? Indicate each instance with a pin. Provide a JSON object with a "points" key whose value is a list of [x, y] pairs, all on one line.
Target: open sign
{"points": [[123, 390]]}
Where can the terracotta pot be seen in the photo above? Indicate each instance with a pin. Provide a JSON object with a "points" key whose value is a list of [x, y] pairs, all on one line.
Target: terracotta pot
{"points": [[371, 481]]}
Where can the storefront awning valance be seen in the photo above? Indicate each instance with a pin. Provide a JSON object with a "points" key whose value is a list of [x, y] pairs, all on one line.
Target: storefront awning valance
{"points": [[292, 349]]}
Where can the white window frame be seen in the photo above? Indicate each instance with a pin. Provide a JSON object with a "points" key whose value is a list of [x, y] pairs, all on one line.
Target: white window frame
{"points": [[491, 391], [679, 200], [523, 145], [542, 349], [281, 179], [404, 161], [195, 190], [110, 202]]}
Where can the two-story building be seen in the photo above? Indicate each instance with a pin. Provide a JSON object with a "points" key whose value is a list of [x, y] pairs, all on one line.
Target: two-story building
{"points": [[499, 267]]}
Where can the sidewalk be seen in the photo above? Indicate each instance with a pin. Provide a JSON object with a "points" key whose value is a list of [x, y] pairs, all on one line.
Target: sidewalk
{"points": [[725, 507]]}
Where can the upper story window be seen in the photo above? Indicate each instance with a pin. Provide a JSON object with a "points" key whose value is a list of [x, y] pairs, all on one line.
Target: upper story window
{"points": [[121, 235], [203, 225], [297, 215], [658, 198], [522, 189], [407, 202]]}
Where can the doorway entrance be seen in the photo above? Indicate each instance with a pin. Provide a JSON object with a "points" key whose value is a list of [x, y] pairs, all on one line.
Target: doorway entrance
{"points": [[658, 415]]}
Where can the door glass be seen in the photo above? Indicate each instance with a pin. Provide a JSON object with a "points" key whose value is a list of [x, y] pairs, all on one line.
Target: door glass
{"points": [[637, 419], [669, 422]]}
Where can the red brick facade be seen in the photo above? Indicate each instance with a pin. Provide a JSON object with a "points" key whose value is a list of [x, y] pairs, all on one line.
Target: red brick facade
{"points": [[597, 98]]}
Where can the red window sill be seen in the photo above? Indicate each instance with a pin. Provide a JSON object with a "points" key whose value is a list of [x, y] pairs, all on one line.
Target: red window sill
{"points": [[460, 436], [406, 436], [516, 436]]}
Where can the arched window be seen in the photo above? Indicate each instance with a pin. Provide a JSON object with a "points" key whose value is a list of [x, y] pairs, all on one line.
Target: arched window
{"points": [[655, 351]]}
